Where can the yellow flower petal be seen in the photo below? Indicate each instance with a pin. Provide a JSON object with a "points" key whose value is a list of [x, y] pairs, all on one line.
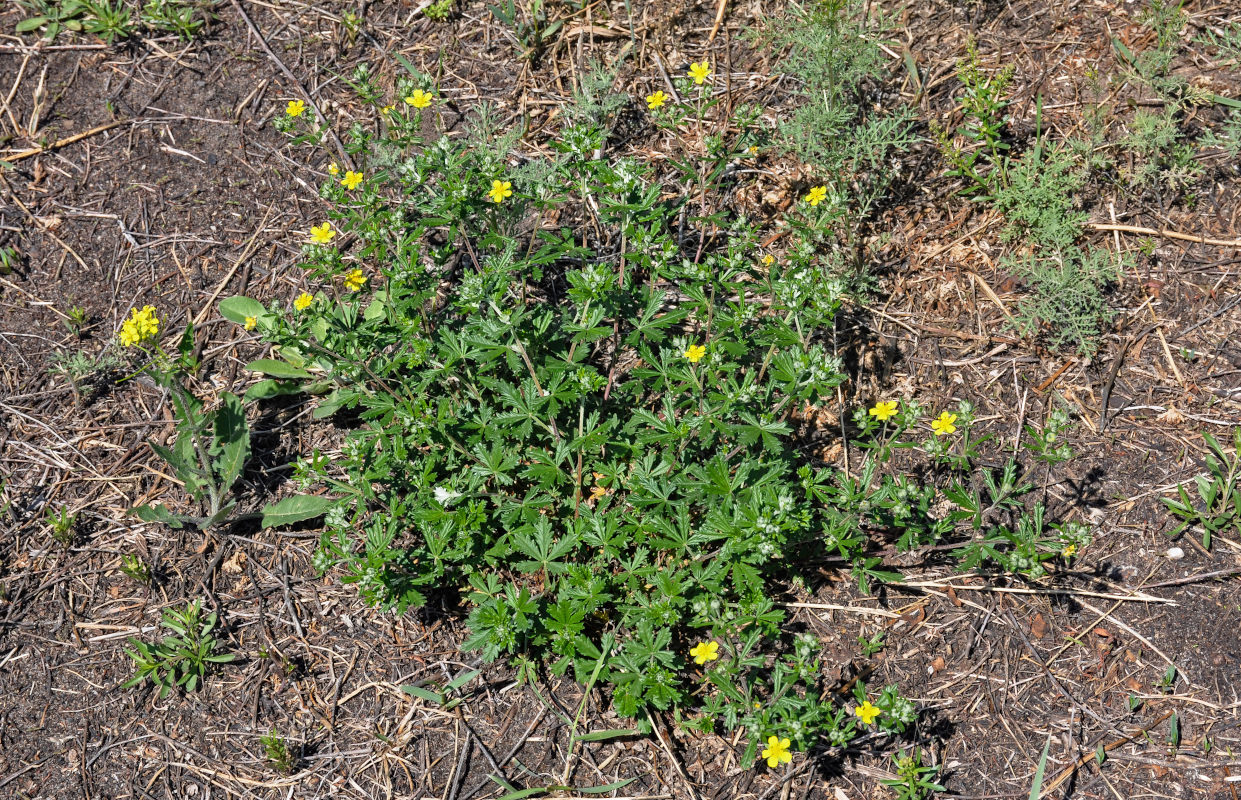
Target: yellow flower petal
{"points": [[700, 71], [322, 234], [499, 191], [419, 99], [944, 425], [884, 410]]}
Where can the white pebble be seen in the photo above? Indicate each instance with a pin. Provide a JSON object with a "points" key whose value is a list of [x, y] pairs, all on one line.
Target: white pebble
{"points": [[1176, 553]]}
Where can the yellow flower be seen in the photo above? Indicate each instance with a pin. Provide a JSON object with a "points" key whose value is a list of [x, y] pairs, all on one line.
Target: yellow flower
{"points": [[141, 326], [777, 752], [884, 410], [700, 71], [499, 191], [817, 195], [351, 180], [419, 99], [303, 301], [768, 260], [943, 426], [355, 280], [867, 713], [1069, 551], [654, 101], [295, 108], [333, 169], [251, 323], [753, 149], [695, 353], [386, 110], [322, 234], [704, 652], [597, 492]]}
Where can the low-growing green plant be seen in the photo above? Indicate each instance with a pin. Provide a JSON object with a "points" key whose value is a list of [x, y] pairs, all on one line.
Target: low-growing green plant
{"points": [[450, 696], [1153, 66], [51, 16], [80, 368], [1227, 40], [75, 320], [834, 48], [185, 19], [438, 11], [277, 751], [1227, 137], [916, 781], [531, 30], [108, 19], [977, 151], [1038, 201], [63, 525], [183, 658], [1162, 154], [1218, 505], [212, 446], [1066, 302], [1001, 492], [1048, 443], [10, 257], [568, 384], [112, 20], [871, 645], [135, 568], [1023, 549], [589, 430]]}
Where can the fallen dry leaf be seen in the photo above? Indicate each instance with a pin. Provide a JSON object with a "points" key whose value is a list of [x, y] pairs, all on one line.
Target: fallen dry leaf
{"points": [[1038, 625], [234, 564]]}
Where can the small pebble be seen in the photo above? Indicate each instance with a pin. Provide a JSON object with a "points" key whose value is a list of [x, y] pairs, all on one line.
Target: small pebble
{"points": [[1176, 553]]}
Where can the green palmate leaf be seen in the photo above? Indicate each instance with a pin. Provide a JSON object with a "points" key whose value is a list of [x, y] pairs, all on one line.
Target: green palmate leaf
{"points": [[277, 369], [237, 309], [296, 509]]}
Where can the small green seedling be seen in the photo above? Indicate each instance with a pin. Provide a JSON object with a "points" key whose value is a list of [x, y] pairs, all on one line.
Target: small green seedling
{"points": [[916, 782], [872, 645], [181, 660], [63, 525], [108, 19], [134, 567], [443, 699], [52, 16], [1218, 505], [439, 10], [277, 751]]}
